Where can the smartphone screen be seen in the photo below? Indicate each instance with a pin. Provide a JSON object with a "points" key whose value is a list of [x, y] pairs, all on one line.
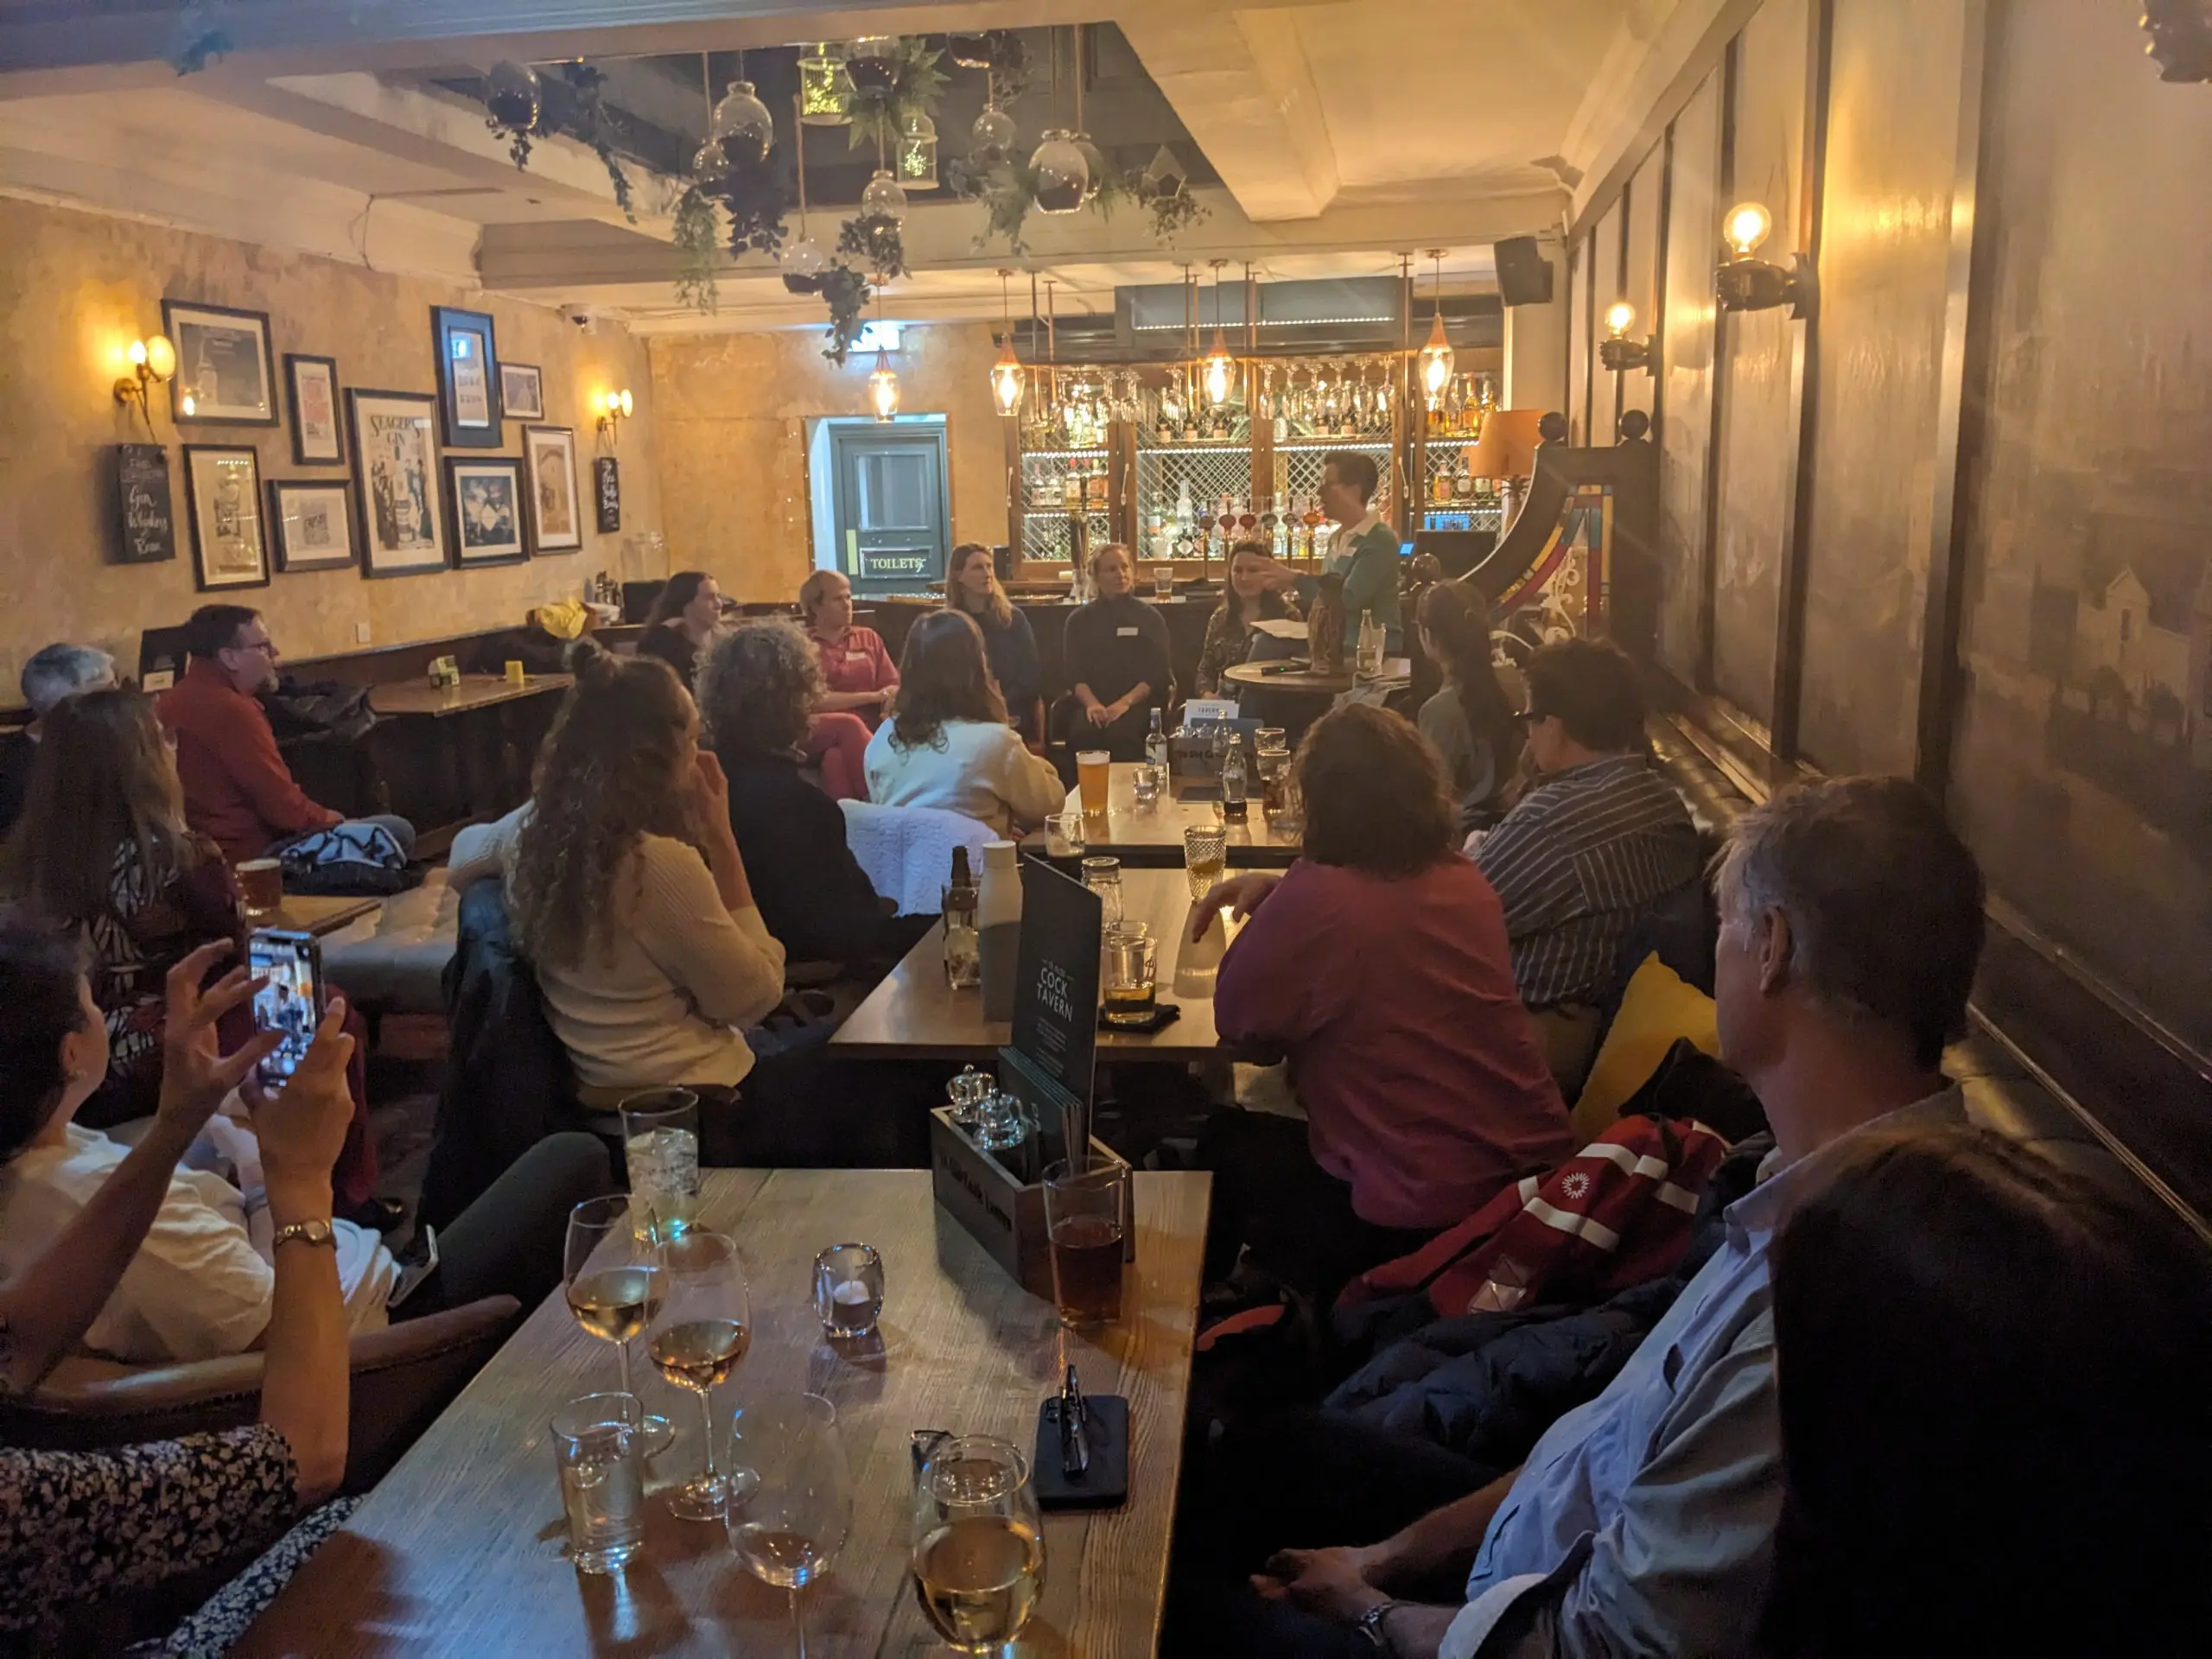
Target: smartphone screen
{"points": [[291, 1002]]}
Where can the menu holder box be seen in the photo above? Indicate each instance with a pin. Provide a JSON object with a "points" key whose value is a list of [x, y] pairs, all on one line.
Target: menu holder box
{"points": [[997, 1209]]}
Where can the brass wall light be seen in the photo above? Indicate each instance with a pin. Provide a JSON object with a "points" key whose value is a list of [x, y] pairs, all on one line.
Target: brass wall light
{"points": [[1616, 350], [1743, 284], [153, 360], [615, 408]]}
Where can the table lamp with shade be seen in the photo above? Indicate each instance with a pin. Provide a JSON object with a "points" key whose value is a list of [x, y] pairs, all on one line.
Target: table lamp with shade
{"points": [[1506, 451]]}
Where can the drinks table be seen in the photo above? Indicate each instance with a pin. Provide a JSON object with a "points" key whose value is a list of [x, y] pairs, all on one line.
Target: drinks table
{"points": [[457, 1550], [1152, 835]]}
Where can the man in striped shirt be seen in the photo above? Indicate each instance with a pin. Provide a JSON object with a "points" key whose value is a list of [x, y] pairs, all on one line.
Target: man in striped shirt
{"points": [[1595, 846]]}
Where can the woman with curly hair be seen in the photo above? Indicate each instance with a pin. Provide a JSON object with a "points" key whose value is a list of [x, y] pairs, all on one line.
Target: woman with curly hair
{"points": [[757, 690], [971, 584], [1378, 966], [629, 895], [949, 746]]}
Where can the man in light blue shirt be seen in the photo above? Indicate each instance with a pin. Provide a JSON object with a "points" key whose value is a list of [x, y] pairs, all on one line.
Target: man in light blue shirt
{"points": [[1643, 1523]]}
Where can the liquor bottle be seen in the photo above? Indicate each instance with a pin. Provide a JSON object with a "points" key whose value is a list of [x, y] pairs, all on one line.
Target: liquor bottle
{"points": [[998, 928], [1155, 744], [962, 965], [1205, 531], [1232, 776]]}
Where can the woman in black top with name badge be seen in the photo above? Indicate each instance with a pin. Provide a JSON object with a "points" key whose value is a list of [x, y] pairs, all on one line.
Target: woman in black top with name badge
{"points": [[1118, 659]]}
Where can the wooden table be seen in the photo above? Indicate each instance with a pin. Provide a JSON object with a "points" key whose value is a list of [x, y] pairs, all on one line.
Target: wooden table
{"points": [[1396, 670], [421, 698], [914, 1014], [458, 1551], [1153, 835], [302, 913]]}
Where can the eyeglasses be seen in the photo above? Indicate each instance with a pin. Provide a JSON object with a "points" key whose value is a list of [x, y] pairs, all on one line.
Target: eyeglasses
{"points": [[1528, 717], [269, 645]]}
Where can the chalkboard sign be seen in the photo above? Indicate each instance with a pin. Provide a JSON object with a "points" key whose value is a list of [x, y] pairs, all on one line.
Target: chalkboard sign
{"points": [[1056, 995], [145, 518], [607, 492]]}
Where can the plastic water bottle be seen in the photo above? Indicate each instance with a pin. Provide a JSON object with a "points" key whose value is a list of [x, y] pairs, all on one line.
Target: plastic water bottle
{"points": [[1155, 744]]}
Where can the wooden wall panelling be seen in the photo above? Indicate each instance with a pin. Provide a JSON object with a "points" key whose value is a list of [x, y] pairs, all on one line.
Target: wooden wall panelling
{"points": [[1605, 288], [1804, 396], [1756, 461], [1578, 342], [1646, 200], [1684, 350]]}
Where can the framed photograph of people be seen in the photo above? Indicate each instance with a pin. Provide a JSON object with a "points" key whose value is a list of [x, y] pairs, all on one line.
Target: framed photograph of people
{"points": [[486, 500], [468, 406], [222, 489], [522, 391], [312, 384], [395, 475], [549, 456], [225, 375], [311, 521]]}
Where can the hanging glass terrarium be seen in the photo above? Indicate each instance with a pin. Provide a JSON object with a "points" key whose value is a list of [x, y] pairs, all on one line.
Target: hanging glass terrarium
{"points": [[708, 164], [803, 263], [511, 95], [821, 86], [992, 139], [1095, 160], [884, 196], [872, 64], [1062, 172], [917, 167], [742, 125]]}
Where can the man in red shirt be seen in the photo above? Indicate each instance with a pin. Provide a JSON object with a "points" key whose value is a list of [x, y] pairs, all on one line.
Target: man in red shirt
{"points": [[237, 790]]}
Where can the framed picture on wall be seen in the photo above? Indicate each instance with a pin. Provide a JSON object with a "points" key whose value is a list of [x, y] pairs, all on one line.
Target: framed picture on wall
{"points": [[467, 400], [311, 520], [222, 490], [522, 391], [485, 497], [313, 384], [394, 478], [549, 454], [225, 375]]}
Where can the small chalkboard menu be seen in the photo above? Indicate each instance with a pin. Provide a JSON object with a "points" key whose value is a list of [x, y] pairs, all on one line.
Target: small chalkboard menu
{"points": [[607, 494], [145, 518], [1056, 999]]}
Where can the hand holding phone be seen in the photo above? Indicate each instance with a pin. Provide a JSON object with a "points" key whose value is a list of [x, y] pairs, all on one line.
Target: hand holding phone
{"points": [[290, 1001]]}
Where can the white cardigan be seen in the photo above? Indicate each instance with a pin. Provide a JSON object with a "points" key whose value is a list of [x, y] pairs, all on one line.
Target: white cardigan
{"points": [[980, 767]]}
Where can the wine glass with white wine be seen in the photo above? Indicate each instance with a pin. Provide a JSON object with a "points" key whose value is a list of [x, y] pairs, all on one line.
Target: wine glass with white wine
{"points": [[704, 1328], [795, 1523], [614, 1284], [979, 1543]]}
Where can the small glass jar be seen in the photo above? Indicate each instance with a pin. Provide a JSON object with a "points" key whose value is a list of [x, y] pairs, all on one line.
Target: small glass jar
{"points": [[1103, 877]]}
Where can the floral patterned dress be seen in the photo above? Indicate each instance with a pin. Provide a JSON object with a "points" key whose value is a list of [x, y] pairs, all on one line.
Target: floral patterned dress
{"points": [[76, 1527], [1229, 643]]}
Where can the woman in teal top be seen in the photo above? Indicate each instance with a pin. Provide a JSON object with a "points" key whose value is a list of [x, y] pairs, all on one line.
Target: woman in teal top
{"points": [[1364, 551]]}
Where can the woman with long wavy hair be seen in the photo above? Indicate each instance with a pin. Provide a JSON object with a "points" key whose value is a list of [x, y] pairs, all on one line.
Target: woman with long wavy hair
{"points": [[102, 850], [629, 895], [971, 584], [1246, 598], [682, 623], [1469, 720], [949, 746]]}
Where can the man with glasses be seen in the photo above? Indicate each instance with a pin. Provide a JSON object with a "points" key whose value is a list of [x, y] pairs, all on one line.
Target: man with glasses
{"points": [[237, 790]]}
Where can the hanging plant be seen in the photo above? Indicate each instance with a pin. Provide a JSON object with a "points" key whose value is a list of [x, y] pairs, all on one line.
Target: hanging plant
{"points": [[594, 123], [1173, 211], [754, 198], [847, 292], [1008, 193], [1009, 64], [877, 117], [582, 114], [874, 238], [698, 238]]}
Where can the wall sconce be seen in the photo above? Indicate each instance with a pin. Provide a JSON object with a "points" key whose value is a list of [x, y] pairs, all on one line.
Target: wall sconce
{"points": [[615, 408], [1743, 284], [1617, 351], [153, 360]]}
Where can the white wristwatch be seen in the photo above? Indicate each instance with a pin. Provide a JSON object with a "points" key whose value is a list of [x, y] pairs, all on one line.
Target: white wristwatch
{"points": [[308, 1232]]}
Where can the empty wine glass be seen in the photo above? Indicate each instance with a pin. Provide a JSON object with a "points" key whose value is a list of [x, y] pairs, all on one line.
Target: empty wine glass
{"points": [[613, 1285], [704, 1329], [798, 1517]]}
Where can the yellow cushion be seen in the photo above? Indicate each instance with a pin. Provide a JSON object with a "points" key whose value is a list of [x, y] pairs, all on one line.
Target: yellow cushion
{"points": [[1659, 1007]]}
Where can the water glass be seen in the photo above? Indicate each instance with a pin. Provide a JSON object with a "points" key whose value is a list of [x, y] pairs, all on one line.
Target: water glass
{"points": [[1151, 784], [596, 1448], [963, 952], [1103, 877], [1206, 853], [978, 1542], [660, 1148], [1131, 955], [848, 1290], [1084, 1207], [1270, 739], [792, 1527], [1071, 824]]}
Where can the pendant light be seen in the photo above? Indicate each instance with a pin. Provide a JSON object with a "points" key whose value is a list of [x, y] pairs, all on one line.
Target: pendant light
{"points": [[918, 152], [1006, 373], [803, 261], [741, 124], [1436, 356], [1220, 369], [882, 380], [821, 86]]}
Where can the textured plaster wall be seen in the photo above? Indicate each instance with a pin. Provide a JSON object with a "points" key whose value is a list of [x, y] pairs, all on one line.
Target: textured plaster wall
{"points": [[732, 412], [76, 287]]}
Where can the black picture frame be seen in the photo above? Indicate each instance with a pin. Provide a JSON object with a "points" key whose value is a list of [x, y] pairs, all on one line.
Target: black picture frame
{"points": [[554, 499], [512, 548], [290, 559], [223, 499], [309, 448], [468, 389], [229, 383], [527, 377], [411, 466]]}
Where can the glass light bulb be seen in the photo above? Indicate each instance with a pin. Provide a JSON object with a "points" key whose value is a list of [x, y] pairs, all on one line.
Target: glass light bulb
{"points": [[1005, 380], [627, 403], [1620, 317], [137, 353], [1747, 227], [161, 357], [1437, 359], [1218, 367], [191, 405]]}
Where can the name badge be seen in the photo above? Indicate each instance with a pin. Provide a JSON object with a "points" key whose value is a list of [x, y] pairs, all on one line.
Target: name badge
{"points": [[1125, 633]]}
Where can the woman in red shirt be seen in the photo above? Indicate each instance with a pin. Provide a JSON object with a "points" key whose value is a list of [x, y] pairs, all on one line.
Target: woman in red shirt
{"points": [[861, 677], [1378, 965]]}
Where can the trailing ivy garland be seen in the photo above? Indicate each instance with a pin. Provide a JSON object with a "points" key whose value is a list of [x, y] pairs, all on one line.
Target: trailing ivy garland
{"points": [[846, 291], [874, 238], [697, 234], [586, 118], [879, 116]]}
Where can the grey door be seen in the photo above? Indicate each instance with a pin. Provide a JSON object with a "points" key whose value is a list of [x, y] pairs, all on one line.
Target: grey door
{"points": [[894, 527]]}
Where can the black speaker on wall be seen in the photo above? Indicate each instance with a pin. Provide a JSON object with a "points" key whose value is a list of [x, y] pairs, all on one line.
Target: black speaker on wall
{"points": [[1524, 275]]}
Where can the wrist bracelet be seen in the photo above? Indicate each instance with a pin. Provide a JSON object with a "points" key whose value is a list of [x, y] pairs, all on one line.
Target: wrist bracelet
{"points": [[1370, 1624], [306, 1232]]}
